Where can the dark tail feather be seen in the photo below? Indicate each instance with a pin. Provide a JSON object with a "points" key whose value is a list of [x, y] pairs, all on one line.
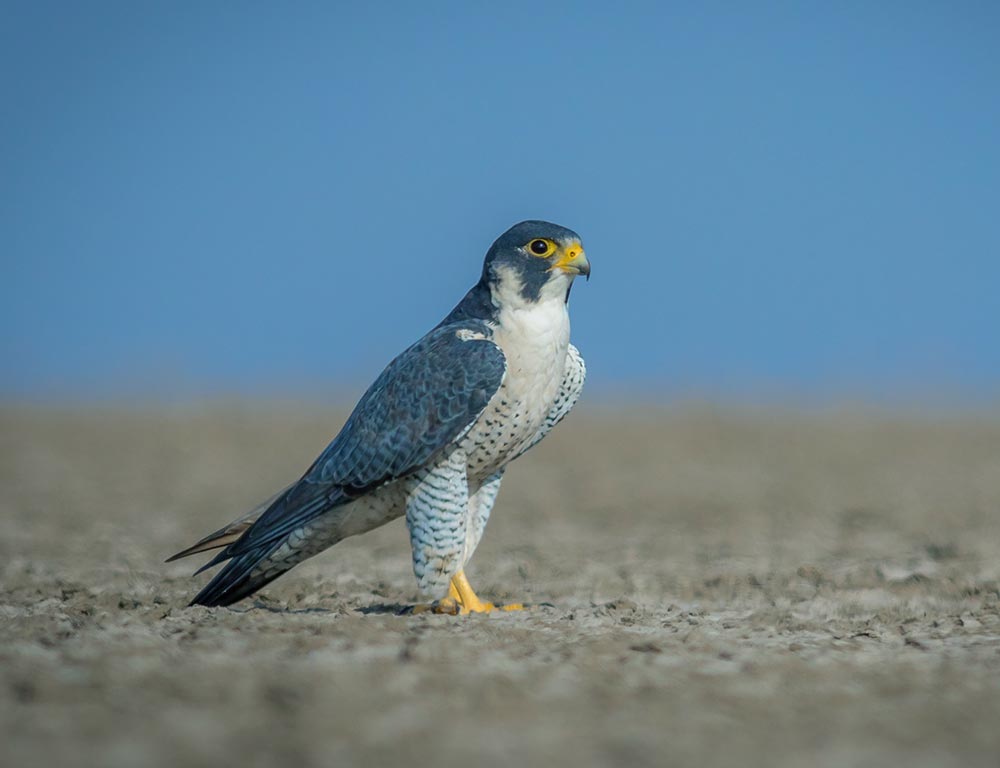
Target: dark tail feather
{"points": [[220, 557], [237, 580], [228, 534], [221, 538], [243, 575]]}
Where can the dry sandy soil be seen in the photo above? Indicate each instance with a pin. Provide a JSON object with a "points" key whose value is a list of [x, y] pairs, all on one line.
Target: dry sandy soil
{"points": [[763, 588]]}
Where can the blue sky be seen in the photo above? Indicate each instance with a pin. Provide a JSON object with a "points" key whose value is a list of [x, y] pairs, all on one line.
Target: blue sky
{"points": [[206, 198]]}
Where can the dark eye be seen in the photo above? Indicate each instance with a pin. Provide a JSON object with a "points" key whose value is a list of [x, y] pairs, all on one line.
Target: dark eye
{"points": [[539, 247]]}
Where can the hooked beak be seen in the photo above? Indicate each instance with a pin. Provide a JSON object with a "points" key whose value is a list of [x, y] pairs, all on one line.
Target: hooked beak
{"points": [[573, 261]]}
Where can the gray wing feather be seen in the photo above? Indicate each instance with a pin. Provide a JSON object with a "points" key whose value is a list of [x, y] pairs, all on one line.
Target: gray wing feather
{"points": [[424, 401]]}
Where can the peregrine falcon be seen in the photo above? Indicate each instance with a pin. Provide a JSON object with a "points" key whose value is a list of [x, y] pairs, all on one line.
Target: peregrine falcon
{"points": [[432, 436]]}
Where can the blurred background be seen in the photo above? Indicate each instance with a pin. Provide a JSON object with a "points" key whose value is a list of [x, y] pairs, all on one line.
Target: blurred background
{"points": [[779, 200], [220, 220]]}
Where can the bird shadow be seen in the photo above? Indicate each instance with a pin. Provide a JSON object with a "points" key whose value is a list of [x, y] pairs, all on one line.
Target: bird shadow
{"points": [[402, 609], [386, 609], [261, 606], [375, 609]]}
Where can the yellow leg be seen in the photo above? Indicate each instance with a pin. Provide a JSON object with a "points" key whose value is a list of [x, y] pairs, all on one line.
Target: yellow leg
{"points": [[469, 602], [451, 604], [462, 600]]}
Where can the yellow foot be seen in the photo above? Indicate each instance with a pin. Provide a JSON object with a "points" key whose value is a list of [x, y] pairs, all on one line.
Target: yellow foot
{"points": [[461, 601], [448, 606], [468, 601]]}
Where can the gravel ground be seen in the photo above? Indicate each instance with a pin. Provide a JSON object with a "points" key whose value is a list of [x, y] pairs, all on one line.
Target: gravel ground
{"points": [[711, 587]]}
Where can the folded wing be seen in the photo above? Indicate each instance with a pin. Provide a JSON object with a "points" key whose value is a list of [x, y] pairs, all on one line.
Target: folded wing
{"points": [[421, 404]]}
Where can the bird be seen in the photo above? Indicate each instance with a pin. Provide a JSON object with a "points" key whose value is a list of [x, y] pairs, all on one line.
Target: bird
{"points": [[432, 436]]}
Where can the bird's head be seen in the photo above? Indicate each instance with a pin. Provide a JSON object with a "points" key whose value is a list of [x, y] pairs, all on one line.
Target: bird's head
{"points": [[535, 261]]}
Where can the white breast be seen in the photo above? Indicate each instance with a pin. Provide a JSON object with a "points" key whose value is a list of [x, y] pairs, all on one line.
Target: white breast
{"points": [[534, 339]]}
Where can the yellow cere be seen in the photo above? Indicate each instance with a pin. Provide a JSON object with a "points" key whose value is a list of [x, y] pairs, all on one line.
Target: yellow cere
{"points": [[570, 254]]}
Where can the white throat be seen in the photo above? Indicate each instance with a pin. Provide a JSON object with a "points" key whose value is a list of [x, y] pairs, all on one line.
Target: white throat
{"points": [[534, 335]]}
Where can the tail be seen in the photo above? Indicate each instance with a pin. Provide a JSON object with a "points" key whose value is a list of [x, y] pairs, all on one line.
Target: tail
{"points": [[229, 533], [242, 576], [262, 545]]}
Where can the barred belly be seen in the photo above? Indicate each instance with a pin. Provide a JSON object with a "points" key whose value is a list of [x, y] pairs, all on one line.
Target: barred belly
{"points": [[535, 343]]}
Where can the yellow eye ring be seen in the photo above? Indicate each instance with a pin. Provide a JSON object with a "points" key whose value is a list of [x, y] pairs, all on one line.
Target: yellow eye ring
{"points": [[541, 247]]}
